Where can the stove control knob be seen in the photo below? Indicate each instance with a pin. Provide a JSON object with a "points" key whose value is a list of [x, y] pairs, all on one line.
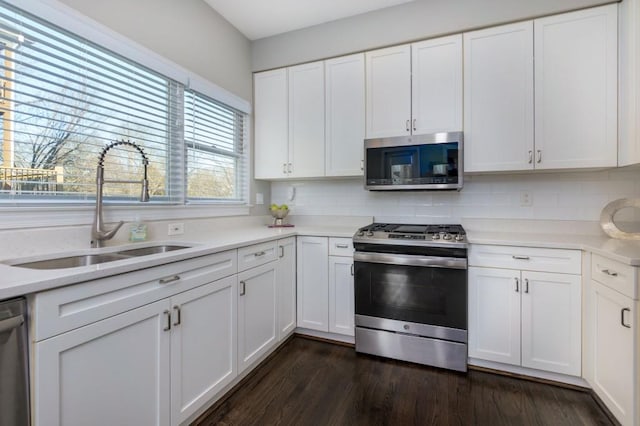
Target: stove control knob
{"points": [[369, 233], [435, 237], [447, 237], [459, 237], [360, 233]]}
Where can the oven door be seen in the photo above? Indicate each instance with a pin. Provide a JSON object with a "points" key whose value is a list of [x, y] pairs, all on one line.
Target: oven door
{"points": [[412, 288]]}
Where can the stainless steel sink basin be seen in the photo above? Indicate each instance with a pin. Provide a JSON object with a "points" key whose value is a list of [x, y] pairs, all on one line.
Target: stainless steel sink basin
{"points": [[144, 251], [72, 261], [93, 259]]}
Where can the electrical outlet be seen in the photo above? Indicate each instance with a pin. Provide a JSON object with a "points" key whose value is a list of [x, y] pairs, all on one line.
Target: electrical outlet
{"points": [[259, 198], [175, 229], [526, 199]]}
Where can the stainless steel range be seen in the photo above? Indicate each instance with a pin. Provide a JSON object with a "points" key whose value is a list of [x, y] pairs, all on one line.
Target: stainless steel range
{"points": [[411, 293]]}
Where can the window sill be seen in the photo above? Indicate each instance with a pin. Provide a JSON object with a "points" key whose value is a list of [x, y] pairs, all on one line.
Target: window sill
{"points": [[12, 217]]}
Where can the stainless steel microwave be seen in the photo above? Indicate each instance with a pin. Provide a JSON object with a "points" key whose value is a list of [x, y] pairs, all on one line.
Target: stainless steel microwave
{"points": [[420, 162]]}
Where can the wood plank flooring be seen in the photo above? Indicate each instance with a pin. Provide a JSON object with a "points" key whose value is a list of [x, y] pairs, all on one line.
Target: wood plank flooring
{"points": [[309, 382]]}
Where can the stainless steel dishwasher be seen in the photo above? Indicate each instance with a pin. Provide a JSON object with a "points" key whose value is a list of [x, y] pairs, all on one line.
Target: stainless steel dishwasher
{"points": [[14, 363]]}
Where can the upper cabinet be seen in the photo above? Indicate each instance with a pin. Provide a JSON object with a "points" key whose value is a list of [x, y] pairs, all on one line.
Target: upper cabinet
{"points": [[498, 98], [629, 95], [572, 111], [344, 115], [576, 86], [289, 122], [415, 89]]}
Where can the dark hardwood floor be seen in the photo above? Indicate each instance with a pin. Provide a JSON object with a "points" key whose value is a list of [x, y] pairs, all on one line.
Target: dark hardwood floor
{"points": [[309, 382]]}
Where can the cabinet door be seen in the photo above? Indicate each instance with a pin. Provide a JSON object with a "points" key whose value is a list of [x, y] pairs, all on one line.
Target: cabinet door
{"points": [[436, 85], [344, 118], [313, 283], [203, 345], [271, 115], [388, 76], [112, 372], [615, 351], [341, 301], [551, 322], [257, 330], [576, 89], [494, 315], [498, 98], [286, 276], [306, 120]]}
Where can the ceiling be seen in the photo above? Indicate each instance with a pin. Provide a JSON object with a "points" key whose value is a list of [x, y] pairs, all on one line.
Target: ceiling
{"points": [[263, 18]]}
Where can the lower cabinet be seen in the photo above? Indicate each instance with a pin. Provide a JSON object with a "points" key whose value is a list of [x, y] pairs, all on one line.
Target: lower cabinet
{"points": [[325, 284], [527, 318], [153, 365], [286, 280], [257, 330]]}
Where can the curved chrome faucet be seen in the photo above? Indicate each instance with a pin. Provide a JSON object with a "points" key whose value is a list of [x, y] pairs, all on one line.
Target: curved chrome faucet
{"points": [[98, 234]]}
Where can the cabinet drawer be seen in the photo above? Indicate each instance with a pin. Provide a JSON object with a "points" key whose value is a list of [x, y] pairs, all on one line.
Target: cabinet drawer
{"points": [[256, 255], [67, 308], [340, 247], [526, 258], [618, 276]]}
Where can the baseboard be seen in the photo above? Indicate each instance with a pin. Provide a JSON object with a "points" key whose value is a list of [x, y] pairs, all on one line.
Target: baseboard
{"points": [[328, 337], [556, 379]]}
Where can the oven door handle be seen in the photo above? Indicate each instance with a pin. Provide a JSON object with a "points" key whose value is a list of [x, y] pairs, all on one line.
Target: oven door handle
{"points": [[411, 260]]}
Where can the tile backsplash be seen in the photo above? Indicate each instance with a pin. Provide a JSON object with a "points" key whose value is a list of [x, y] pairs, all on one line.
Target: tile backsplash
{"points": [[540, 195]]}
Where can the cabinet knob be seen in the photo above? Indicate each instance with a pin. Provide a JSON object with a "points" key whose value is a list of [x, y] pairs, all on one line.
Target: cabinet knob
{"points": [[539, 152], [243, 288], [414, 125], [178, 315], [530, 156], [610, 273], [517, 285], [408, 125], [167, 315], [622, 311]]}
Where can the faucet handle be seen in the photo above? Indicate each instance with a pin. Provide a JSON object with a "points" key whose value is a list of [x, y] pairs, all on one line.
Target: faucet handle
{"points": [[107, 235]]}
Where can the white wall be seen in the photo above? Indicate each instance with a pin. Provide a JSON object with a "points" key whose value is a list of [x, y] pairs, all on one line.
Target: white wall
{"points": [[417, 20], [554, 196]]}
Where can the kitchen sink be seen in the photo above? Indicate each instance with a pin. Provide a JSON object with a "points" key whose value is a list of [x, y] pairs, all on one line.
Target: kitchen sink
{"points": [[93, 259], [144, 251]]}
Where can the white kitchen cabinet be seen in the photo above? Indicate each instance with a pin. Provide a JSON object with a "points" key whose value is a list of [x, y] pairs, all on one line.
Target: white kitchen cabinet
{"points": [[257, 328], [203, 345], [286, 277], [271, 115], [613, 338], [576, 89], [527, 318], [306, 120], [341, 295], [313, 283], [415, 89], [498, 98], [344, 115], [629, 82], [114, 371]]}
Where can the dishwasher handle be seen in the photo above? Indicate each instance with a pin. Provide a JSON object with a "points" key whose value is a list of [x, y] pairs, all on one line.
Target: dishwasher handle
{"points": [[11, 323]]}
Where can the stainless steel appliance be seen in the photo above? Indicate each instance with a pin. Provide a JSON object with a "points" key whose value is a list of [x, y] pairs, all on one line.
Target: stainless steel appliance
{"points": [[14, 363], [424, 162], [411, 293]]}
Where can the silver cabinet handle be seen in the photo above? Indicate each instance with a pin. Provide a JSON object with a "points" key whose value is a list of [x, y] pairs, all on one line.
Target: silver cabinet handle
{"points": [[622, 317], [259, 253], [243, 288], [11, 323], [414, 125], [284, 168], [530, 156], [169, 279], [289, 168], [610, 273], [352, 272], [167, 315], [526, 285], [517, 285], [178, 315], [342, 245], [520, 257], [281, 252], [408, 125], [361, 164], [539, 160]]}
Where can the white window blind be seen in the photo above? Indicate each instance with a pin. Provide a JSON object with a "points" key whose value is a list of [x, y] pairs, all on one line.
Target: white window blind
{"points": [[63, 99]]}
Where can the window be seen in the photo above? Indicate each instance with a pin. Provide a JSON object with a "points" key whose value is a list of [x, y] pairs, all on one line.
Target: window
{"points": [[63, 99]]}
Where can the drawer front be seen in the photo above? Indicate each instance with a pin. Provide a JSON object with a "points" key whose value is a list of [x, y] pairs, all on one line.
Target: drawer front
{"points": [[66, 308], [526, 258], [340, 247], [256, 255], [615, 275]]}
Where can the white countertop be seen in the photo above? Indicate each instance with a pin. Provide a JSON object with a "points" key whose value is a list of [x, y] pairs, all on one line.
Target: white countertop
{"points": [[15, 281]]}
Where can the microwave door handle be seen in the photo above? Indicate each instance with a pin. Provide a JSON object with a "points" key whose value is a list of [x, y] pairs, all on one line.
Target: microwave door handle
{"points": [[411, 260]]}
